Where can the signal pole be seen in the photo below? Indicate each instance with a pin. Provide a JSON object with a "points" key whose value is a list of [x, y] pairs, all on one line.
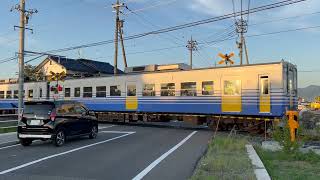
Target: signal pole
{"points": [[24, 19], [192, 46], [118, 31]]}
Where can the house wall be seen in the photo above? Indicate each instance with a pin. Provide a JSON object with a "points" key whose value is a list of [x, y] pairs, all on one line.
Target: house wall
{"points": [[52, 66]]}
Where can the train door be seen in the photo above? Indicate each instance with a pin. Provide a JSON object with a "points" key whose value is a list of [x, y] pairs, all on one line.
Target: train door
{"points": [[131, 96], [231, 100], [264, 93]]}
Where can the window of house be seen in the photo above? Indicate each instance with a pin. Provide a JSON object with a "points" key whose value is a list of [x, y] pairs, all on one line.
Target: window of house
{"points": [[168, 89], [101, 91], [232, 87], [87, 92], [77, 92], [115, 91], [131, 90], [264, 85], [1, 94], [30, 93], [40, 92], [67, 92], [15, 94], [149, 90], [9, 95], [188, 89], [207, 88]]}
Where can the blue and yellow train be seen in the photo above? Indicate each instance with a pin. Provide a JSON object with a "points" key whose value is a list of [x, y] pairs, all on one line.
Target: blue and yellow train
{"points": [[248, 91]]}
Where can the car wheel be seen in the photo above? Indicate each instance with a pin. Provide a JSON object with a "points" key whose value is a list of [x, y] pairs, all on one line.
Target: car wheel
{"points": [[25, 142], [60, 138], [94, 132]]}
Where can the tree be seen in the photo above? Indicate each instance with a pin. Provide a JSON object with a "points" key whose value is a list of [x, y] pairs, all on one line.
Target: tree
{"points": [[31, 75]]}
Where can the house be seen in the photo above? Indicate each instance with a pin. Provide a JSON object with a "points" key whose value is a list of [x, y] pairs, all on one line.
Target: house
{"points": [[74, 68]]}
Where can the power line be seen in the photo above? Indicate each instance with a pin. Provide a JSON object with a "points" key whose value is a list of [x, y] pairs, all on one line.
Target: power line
{"points": [[187, 25], [160, 3]]}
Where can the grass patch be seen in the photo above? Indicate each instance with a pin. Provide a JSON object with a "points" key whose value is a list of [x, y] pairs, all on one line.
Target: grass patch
{"points": [[7, 130], [226, 158], [295, 165], [6, 124]]}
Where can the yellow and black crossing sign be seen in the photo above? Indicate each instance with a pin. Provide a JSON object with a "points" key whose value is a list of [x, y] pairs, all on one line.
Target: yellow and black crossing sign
{"points": [[226, 58], [56, 76]]}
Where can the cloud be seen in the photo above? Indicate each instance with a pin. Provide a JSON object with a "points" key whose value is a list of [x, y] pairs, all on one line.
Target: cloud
{"points": [[211, 7]]}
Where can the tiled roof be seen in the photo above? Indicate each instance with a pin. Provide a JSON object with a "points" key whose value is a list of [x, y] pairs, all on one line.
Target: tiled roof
{"points": [[85, 65]]}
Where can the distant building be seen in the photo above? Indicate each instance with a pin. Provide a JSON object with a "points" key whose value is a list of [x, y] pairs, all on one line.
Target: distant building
{"points": [[74, 68]]}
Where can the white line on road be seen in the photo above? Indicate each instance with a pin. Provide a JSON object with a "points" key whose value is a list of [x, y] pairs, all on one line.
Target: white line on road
{"points": [[9, 146], [118, 132], [60, 154], [157, 161], [9, 121], [7, 127], [105, 127]]}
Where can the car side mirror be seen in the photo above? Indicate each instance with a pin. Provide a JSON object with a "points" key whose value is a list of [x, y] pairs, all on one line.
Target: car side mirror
{"points": [[91, 113]]}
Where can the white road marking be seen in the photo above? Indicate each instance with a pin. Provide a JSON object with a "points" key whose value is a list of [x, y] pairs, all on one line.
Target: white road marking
{"points": [[60, 154], [118, 132], [9, 121], [105, 127], [157, 161], [7, 127], [9, 146]]}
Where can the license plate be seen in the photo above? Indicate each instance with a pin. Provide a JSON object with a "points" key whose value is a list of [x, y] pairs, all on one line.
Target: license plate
{"points": [[35, 122]]}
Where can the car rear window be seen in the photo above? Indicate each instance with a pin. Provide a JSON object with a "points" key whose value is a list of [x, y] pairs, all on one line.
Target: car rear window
{"points": [[38, 108]]}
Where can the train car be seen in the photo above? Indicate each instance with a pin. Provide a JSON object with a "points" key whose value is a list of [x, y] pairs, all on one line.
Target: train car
{"points": [[253, 91]]}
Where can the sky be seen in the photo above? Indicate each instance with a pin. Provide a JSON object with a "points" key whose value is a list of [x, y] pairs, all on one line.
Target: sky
{"points": [[66, 23]]}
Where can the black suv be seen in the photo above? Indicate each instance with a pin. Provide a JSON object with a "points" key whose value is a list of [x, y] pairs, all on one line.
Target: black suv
{"points": [[57, 120]]}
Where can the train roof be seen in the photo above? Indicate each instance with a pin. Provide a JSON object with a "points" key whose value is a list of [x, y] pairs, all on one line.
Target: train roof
{"points": [[195, 69]]}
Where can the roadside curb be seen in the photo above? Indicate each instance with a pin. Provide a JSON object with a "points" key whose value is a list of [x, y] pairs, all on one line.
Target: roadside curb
{"points": [[259, 169]]}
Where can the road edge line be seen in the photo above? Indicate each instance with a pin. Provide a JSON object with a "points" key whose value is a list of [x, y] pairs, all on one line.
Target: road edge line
{"points": [[259, 169], [162, 157]]}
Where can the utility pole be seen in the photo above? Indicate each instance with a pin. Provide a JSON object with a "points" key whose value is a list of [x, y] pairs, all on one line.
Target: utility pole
{"points": [[242, 28], [24, 19], [122, 44], [192, 46], [118, 31]]}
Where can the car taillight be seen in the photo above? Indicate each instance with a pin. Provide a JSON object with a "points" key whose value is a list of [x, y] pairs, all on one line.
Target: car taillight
{"points": [[53, 116]]}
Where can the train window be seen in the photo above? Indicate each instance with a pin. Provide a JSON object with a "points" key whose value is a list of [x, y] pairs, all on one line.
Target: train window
{"points": [[9, 95], [101, 91], [67, 92], [168, 89], [264, 85], [189, 89], [77, 92], [207, 88], [30, 93], [115, 91], [40, 92], [131, 90], [87, 92], [232, 87], [1, 94], [15, 94], [149, 90]]}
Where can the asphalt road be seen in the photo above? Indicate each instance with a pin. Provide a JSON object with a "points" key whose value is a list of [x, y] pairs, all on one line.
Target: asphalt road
{"points": [[119, 152]]}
